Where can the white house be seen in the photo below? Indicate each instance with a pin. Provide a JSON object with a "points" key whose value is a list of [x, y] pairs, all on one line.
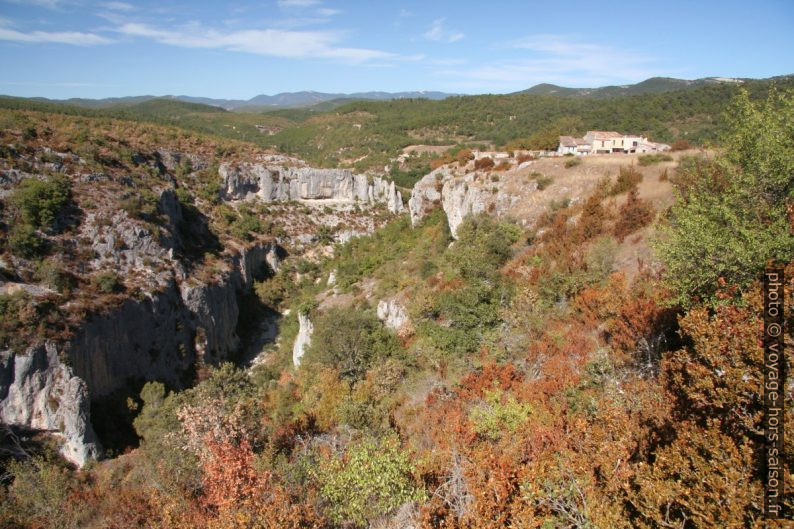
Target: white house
{"points": [[607, 141]]}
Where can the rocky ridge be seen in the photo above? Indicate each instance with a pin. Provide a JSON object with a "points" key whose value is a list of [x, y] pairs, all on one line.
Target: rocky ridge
{"points": [[271, 181]]}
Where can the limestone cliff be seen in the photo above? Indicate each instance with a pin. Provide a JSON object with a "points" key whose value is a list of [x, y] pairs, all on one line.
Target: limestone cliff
{"points": [[467, 194], [275, 183], [303, 339], [160, 337], [41, 393]]}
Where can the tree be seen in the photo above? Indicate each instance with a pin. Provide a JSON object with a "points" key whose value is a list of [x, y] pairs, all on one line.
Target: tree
{"points": [[351, 341], [730, 217], [40, 201]]}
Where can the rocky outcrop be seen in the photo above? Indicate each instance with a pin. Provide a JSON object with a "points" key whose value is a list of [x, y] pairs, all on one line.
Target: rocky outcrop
{"points": [[303, 339], [161, 336], [273, 183], [39, 392], [394, 316], [460, 196], [426, 195]]}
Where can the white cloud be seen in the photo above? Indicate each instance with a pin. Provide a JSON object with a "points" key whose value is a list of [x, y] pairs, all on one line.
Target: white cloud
{"points": [[272, 42], [49, 4], [75, 38], [118, 6], [328, 12], [437, 32], [561, 59], [297, 3]]}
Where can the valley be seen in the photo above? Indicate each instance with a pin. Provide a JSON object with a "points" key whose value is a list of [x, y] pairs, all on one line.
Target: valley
{"points": [[391, 314]]}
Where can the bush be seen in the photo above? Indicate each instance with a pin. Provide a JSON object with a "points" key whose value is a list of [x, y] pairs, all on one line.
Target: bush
{"points": [[572, 162], [634, 214], [142, 205], [499, 414], [680, 145], [484, 164], [107, 282], [463, 156], [52, 274], [24, 240], [483, 246], [350, 341], [544, 182], [650, 159], [40, 201], [628, 178], [40, 495], [373, 478]]}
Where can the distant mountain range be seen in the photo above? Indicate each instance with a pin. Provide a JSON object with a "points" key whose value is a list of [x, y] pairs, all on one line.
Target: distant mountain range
{"points": [[654, 85], [260, 102], [325, 101]]}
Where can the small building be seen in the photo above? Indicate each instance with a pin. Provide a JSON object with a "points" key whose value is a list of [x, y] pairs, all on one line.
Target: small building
{"points": [[567, 145], [575, 146], [606, 142]]}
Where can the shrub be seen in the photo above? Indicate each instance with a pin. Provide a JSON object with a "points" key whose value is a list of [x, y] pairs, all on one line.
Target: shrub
{"points": [[107, 282], [40, 496], [499, 413], [24, 240], [463, 156], [628, 178], [503, 166], [350, 341], [634, 214], [544, 182], [680, 145], [142, 205], [40, 201], [373, 478], [572, 162], [484, 164], [650, 159], [52, 274]]}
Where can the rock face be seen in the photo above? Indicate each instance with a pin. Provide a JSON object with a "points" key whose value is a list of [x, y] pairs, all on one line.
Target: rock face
{"points": [[394, 316], [163, 336], [273, 183], [426, 195], [39, 392], [460, 196], [303, 339]]}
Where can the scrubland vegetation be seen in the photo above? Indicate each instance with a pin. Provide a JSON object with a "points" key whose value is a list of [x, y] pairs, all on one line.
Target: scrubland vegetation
{"points": [[536, 387]]}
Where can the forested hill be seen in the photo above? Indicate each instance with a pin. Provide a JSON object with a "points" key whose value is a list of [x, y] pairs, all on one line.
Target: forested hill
{"points": [[368, 134]]}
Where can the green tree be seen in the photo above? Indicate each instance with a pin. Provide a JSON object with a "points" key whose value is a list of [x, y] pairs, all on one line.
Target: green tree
{"points": [[730, 216], [350, 340], [40, 201]]}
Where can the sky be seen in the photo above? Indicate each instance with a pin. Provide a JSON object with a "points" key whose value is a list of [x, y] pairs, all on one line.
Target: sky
{"points": [[239, 49]]}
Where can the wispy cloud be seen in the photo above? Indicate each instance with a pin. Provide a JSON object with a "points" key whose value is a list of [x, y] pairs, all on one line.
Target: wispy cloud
{"points": [[560, 59], [118, 6], [297, 3], [438, 32], [49, 4], [76, 38], [271, 42]]}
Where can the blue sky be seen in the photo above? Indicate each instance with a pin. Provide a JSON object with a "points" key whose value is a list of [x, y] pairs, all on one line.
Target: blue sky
{"points": [[238, 49]]}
